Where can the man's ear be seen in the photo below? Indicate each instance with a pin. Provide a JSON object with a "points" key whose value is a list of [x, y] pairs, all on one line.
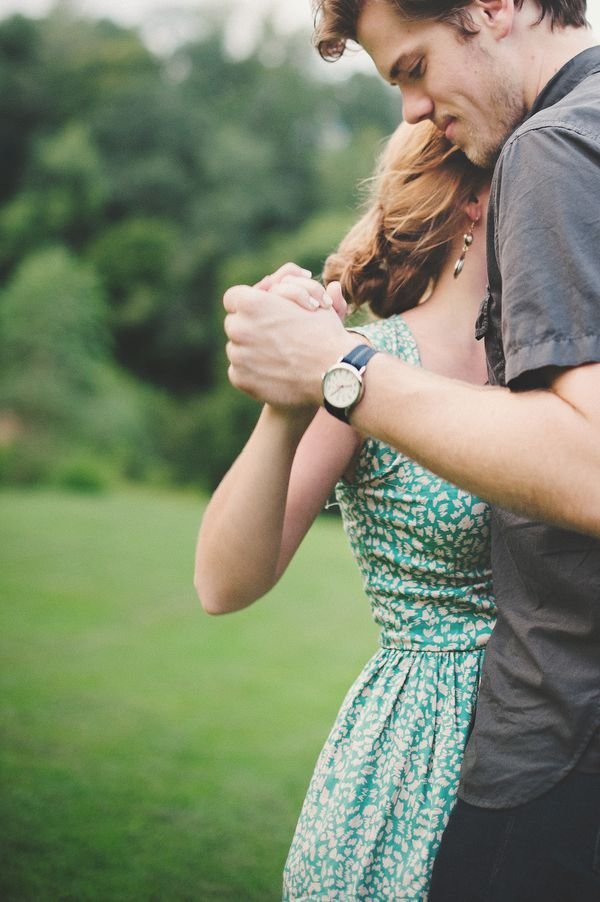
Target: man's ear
{"points": [[496, 15]]}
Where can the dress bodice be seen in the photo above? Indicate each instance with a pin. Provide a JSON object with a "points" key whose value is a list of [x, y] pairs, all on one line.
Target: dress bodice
{"points": [[421, 543]]}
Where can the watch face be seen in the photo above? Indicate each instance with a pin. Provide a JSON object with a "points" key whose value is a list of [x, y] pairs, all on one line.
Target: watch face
{"points": [[341, 386]]}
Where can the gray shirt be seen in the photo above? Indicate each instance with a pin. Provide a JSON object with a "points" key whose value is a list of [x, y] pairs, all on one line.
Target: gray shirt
{"points": [[539, 703]]}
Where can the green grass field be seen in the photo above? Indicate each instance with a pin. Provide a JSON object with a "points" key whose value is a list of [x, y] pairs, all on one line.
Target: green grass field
{"points": [[150, 752]]}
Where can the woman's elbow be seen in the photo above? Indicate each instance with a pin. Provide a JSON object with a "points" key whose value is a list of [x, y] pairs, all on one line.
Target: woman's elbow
{"points": [[212, 606], [212, 601], [217, 600]]}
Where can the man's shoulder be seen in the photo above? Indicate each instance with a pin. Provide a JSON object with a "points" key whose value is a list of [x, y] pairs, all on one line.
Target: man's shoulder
{"points": [[577, 112], [565, 137]]}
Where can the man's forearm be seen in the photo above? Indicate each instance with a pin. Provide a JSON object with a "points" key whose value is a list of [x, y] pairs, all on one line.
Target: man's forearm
{"points": [[535, 452], [531, 452]]}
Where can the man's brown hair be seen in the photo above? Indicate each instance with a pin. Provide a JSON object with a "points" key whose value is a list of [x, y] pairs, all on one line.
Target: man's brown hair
{"points": [[336, 20]]}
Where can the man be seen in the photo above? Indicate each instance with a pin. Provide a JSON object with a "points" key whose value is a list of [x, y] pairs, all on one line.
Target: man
{"points": [[518, 84]]}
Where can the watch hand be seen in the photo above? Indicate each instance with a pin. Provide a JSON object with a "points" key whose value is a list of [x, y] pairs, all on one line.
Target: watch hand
{"points": [[339, 389]]}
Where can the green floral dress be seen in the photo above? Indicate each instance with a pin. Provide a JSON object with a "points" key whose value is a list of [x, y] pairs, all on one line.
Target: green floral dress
{"points": [[387, 777]]}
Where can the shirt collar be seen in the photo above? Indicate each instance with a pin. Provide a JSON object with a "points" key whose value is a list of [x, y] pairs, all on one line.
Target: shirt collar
{"points": [[567, 78]]}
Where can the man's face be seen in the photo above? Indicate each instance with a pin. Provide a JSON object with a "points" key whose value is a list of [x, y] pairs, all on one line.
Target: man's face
{"points": [[466, 86]]}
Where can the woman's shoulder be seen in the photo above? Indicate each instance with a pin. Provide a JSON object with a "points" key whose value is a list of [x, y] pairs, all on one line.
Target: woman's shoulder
{"points": [[391, 335]]}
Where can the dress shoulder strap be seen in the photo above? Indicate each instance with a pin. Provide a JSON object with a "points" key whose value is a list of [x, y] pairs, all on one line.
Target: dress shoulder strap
{"points": [[392, 336]]}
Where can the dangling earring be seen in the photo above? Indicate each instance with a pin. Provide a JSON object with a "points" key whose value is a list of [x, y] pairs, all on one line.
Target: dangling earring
{"points": [[467, 242]]}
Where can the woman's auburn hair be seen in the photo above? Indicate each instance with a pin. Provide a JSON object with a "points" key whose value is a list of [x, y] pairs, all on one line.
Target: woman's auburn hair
{"points": [[417, 208]]}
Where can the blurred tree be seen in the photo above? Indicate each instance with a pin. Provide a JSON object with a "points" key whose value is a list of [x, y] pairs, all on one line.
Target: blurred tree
{"points": [[87, 64], [260, 133], [137, 261], [53, 335], [57, 383], [201, 436], [149, 184], [63, 199], [134, 259], [21, 98], [148, 141]]}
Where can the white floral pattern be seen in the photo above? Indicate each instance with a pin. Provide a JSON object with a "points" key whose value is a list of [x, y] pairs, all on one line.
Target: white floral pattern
{"points": [[387, 777]]}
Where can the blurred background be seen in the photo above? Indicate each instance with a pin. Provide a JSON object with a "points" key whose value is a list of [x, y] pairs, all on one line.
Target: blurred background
{"points": [[145, 169], [152, 154]]}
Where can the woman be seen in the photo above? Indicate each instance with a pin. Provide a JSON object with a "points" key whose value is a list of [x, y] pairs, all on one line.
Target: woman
{"points": [[386, 779]]}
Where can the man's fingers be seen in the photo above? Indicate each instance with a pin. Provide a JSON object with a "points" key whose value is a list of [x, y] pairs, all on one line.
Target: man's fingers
{"points": [[237, 372], [230, 299], [238, 295], [228, 326], [237, 382]]}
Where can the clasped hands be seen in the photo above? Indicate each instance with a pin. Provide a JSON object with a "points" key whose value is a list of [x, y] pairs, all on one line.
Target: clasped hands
{"points": [[295, 284], [278, 350]]}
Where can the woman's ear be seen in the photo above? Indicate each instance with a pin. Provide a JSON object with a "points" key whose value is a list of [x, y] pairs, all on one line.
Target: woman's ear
{"points": [[476, 207], [473, 209]]}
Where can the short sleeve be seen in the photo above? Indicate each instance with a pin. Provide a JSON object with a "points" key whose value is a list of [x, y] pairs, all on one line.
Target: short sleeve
{"points": [[547, 195]]}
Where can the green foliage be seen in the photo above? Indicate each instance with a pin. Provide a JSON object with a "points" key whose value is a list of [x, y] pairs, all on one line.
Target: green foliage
{"points": [[67, 169], [201, 437], [64, 199], [29, 458], [133, 259], [21, 98], [83, 472], [88, 63], [53, 335], [134, 190], [149, 141], [121, 428], [57, 381]]}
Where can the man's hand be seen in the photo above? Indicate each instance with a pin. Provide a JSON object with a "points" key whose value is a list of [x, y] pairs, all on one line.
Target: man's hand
{"points": [[278, 350]]}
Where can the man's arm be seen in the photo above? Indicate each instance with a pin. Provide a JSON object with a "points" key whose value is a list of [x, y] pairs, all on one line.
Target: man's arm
{"points": [[534, 452]]}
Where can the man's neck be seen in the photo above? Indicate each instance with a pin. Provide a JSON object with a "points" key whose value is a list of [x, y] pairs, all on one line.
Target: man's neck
{"points": [[550, 54]]}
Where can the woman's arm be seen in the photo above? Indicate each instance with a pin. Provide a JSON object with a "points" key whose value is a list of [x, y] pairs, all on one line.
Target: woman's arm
{"points": [[265, 505]]}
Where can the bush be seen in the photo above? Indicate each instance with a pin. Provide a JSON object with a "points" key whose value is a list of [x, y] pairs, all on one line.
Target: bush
{"points": [[28, 460], [53, 335], [83, 471], [201, 438], [60, 385]]}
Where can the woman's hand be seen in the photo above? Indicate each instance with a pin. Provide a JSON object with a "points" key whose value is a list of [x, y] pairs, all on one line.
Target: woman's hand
{"points": [[295, 284], [338, 301]]}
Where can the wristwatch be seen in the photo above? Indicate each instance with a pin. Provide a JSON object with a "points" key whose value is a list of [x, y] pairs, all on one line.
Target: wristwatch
{"points": [[343, 382]]}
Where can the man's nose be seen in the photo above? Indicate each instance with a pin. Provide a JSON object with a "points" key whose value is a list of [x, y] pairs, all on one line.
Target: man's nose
{"points": [[416, 106]]}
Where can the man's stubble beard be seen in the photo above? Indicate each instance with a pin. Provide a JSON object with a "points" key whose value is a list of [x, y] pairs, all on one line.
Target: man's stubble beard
{"points": [[507, 110], [484, 152]]}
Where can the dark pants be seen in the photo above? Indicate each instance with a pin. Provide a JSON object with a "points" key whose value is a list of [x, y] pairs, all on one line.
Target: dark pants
{"points": [[547, 850]]}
